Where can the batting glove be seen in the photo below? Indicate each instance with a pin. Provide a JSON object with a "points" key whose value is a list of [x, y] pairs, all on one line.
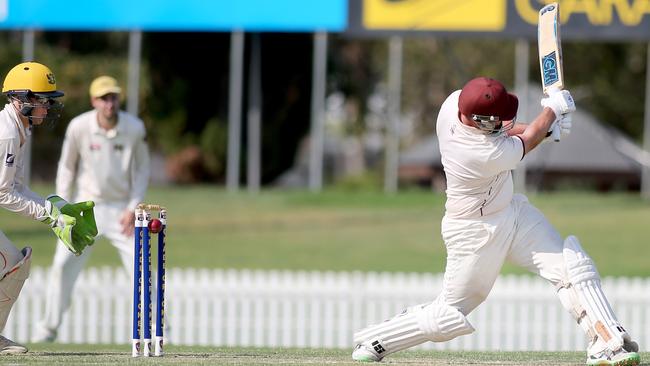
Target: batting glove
{"points": [[564, 123], [561, 102]]}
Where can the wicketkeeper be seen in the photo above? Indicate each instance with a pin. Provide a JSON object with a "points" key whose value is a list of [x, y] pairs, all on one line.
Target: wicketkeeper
{"points": [[33, 100], [486, 224]]}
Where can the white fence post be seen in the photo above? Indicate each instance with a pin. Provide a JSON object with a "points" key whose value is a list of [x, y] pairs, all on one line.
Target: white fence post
{"points": [[317, 309]]}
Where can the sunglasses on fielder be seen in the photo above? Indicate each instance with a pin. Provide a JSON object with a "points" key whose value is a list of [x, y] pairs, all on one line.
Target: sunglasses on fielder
{"points": [[492, 124]]}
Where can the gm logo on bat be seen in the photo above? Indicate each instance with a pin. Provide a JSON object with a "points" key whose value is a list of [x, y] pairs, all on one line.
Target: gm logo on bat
{"points": [[547, 9], [549, 65]]}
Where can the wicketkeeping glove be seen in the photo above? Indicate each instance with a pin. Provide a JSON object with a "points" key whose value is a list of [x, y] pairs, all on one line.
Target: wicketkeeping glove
{"points": [[74, 223]]}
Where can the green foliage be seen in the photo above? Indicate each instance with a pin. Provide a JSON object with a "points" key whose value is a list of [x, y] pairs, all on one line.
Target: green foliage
{"points": [[610, 83], [367, 181], [214, 143], [168, 136], [74, 69], [181, 99], [434, 67]]}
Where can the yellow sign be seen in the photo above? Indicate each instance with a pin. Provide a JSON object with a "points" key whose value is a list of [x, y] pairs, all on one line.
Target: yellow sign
{"points": [[597, 12], [438, 15]]}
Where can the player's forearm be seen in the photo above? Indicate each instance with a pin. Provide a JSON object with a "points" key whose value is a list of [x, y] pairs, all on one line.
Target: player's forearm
{"points": [[537, 130], [15, 202], [518, 129]]}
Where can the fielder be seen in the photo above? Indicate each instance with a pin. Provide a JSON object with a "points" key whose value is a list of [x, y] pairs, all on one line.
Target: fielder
{"points": [[486, 224], [105, 153], [31, 90]]}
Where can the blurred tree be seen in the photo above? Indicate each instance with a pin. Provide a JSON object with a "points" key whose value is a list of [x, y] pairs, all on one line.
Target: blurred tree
{"points": [[184, 85], [610, 83], [76, 58], [355, 68], [193, 87], [608, 80]]}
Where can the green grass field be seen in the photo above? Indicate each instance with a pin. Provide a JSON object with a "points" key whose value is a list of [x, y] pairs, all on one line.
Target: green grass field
{"points": [[343, 230], [119, 355]]}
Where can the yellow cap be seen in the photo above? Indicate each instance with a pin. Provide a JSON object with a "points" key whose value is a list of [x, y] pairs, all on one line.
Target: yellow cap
{"points": [[104, 85]]}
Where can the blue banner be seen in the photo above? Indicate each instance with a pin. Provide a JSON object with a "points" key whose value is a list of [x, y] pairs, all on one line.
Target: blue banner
{"points": [[175, 15]]}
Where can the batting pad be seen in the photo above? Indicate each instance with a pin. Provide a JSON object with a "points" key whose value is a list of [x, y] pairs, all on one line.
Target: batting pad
{"points": [[437, 322], [12, 283], [586, 281], [396, 334]]}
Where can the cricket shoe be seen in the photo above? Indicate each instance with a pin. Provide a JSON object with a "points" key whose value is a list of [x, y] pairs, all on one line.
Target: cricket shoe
{"points": [[630, 345], [9, 347], [618, 358], [365, 353]]}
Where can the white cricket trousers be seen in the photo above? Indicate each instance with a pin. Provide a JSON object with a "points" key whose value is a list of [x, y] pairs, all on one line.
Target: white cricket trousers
{"points": [[66, 266], [9, 254], [477, 249], [9, 257]]}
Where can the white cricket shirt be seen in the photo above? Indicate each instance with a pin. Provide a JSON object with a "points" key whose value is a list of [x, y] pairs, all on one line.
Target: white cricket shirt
{"points": [[477, 165], [108, 165], [14, 195]]}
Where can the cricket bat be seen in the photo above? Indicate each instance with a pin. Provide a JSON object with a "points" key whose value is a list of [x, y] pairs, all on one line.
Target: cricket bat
{"points": [[550, 52]]}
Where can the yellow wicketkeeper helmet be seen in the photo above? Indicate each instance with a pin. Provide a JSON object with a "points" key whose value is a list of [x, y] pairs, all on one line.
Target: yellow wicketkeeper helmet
{"points": [[31, 77], [34, 85]]}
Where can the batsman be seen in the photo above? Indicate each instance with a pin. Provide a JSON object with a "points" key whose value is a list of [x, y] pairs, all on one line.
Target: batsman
{"points": [[485, 224], [32, 96]]}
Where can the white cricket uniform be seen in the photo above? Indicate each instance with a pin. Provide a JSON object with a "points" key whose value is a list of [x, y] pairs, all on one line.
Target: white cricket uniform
{"points": [[110, 168], [485, 223], [15, 196]]}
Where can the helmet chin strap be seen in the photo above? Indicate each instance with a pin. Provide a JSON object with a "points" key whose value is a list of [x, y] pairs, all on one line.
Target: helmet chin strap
{"points": [[26, 112]]}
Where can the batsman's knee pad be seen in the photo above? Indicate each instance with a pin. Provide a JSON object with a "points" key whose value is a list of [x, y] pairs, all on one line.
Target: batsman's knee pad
{"points": [[585, 280], [441, 322], [12, 283]]}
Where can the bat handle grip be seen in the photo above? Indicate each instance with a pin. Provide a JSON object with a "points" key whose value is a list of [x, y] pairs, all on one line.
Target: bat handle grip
{"points": [[556, 129], [556, 133]]}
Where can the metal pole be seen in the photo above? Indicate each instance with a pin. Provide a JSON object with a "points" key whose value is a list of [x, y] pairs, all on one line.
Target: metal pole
{"points": [[522, 56], [28, 45], [645, 170], [394, 101], [28, 55], [254, 117], [135, 49], [234, 109], [317, 134]]}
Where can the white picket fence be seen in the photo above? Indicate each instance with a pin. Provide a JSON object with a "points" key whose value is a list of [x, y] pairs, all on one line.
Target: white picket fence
{"points": [[317, 309]]}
